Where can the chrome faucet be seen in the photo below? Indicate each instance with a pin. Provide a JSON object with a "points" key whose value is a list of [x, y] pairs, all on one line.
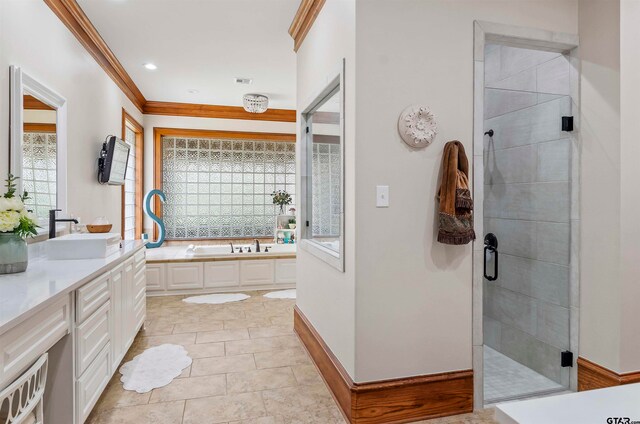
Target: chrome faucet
{"points": [[257, 246], [53, 220]]}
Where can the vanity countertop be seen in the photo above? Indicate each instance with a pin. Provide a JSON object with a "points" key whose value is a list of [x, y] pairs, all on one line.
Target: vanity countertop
{"points": [[45, 281]]}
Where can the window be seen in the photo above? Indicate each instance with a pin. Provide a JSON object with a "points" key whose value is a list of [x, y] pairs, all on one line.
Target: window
{"points": [[220, 187], [132, 134], [39, 169], [322, 175]]}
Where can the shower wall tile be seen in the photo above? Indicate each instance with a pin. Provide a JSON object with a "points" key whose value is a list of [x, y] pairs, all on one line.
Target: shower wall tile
{"points": [[552, 325], [553, 242], [554, 160], [514, 60], [535, 201], [541, 280], [515, 237], [526, 349], [554, 76], [498, 102], [514, 309], [492, 63], [541, 122], [492, 330], [516, 165], [523, 81]]}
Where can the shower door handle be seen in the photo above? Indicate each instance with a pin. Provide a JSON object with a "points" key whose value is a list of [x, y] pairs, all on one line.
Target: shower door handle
{"points": [[491, 246]]}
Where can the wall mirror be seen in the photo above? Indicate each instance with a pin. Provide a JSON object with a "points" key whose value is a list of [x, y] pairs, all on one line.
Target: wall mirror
{"points": [[322, 160], [38, 145]]}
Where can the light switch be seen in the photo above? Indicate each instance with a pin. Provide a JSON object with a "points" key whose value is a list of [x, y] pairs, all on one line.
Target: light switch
{"points": [[382, 196]]}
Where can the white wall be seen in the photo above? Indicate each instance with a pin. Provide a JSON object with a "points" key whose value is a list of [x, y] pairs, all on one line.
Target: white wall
{"points": [[599, 23], [160, 121], [413, 295], [33, 38], [629, 177], [325, 295]]}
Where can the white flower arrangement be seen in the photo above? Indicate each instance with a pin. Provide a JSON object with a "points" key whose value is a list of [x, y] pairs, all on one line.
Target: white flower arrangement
{"points": [[14, 217]]}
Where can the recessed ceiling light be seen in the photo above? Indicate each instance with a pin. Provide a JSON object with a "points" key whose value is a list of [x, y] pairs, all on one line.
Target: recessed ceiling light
{"points": [[245, 81], [150, 66], [192, 91]]}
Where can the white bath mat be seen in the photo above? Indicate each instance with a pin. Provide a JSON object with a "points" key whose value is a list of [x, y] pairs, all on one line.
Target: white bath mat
{"points": [[155, 367], [282, 294], [216, 299]]}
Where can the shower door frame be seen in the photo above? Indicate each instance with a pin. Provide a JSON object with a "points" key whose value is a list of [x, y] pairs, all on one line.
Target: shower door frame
{"points": [[531, 38]]}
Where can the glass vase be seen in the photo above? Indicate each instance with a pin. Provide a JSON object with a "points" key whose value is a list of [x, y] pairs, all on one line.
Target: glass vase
{"points": [[13, 253]]}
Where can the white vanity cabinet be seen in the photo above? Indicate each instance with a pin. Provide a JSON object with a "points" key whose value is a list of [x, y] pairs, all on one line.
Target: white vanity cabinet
{"points": [[105, 331]]}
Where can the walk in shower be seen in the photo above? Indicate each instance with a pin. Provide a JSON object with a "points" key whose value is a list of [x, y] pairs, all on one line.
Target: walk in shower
{"points": [[527, 210]]}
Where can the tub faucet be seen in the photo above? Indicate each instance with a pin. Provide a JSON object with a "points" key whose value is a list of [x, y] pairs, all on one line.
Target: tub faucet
{"points": [[53, 220], [231, 244], [257, 246]]}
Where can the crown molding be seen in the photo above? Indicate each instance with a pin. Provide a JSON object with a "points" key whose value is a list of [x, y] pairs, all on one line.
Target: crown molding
{"points": [[72, 15], [303, 20], [74, 18], [215, 111]]}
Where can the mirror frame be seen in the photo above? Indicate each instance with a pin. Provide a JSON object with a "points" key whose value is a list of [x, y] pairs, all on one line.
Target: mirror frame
{"points": [[307, 243], [22, 83]]}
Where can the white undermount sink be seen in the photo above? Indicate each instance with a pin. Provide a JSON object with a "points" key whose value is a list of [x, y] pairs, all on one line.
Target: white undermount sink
{"points": [[83, 246]]}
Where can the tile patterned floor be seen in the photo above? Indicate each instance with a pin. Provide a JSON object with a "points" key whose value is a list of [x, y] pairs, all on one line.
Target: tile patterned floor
{"points": [[248, 368], [505, 378]]}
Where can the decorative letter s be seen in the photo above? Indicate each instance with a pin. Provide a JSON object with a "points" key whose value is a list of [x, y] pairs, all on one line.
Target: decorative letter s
{"points": [[147, 210]]}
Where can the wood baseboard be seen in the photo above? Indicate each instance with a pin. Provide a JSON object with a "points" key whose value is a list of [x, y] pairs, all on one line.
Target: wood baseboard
{"points": [[593, 376], [390, 401]]}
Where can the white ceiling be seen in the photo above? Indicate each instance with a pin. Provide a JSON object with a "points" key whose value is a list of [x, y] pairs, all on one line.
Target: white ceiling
{"points": [[202, 45]]}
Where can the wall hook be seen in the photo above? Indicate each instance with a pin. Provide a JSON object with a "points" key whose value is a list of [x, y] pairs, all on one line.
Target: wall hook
{"points": [[489, 133]]}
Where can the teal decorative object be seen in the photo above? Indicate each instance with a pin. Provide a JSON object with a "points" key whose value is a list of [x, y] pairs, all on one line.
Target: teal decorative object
{"points": [[149, 212], [13, 253]]}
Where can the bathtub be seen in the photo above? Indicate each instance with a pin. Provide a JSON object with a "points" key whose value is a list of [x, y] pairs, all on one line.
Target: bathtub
{"points": [[225, 250]]}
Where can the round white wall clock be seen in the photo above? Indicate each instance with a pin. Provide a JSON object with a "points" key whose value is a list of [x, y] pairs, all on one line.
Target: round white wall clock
{"points": [[417, 126]]}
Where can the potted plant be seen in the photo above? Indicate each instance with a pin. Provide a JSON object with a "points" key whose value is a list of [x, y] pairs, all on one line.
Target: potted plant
{"points": [[292, 223], [282, 199], [16, 224]]}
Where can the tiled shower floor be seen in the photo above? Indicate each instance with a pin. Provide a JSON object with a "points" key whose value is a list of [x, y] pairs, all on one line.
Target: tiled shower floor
{"points": [[506, 379]]}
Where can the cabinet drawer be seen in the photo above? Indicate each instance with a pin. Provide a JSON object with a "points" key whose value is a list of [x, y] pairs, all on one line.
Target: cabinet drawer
{"points": [[23, 344], [155, 277], [91, 337], [184, 276], [139, 280], [221, 274], [285, 271], [256, 272], [140, 312], [139, 258], [91, 296], [90, 385]]}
